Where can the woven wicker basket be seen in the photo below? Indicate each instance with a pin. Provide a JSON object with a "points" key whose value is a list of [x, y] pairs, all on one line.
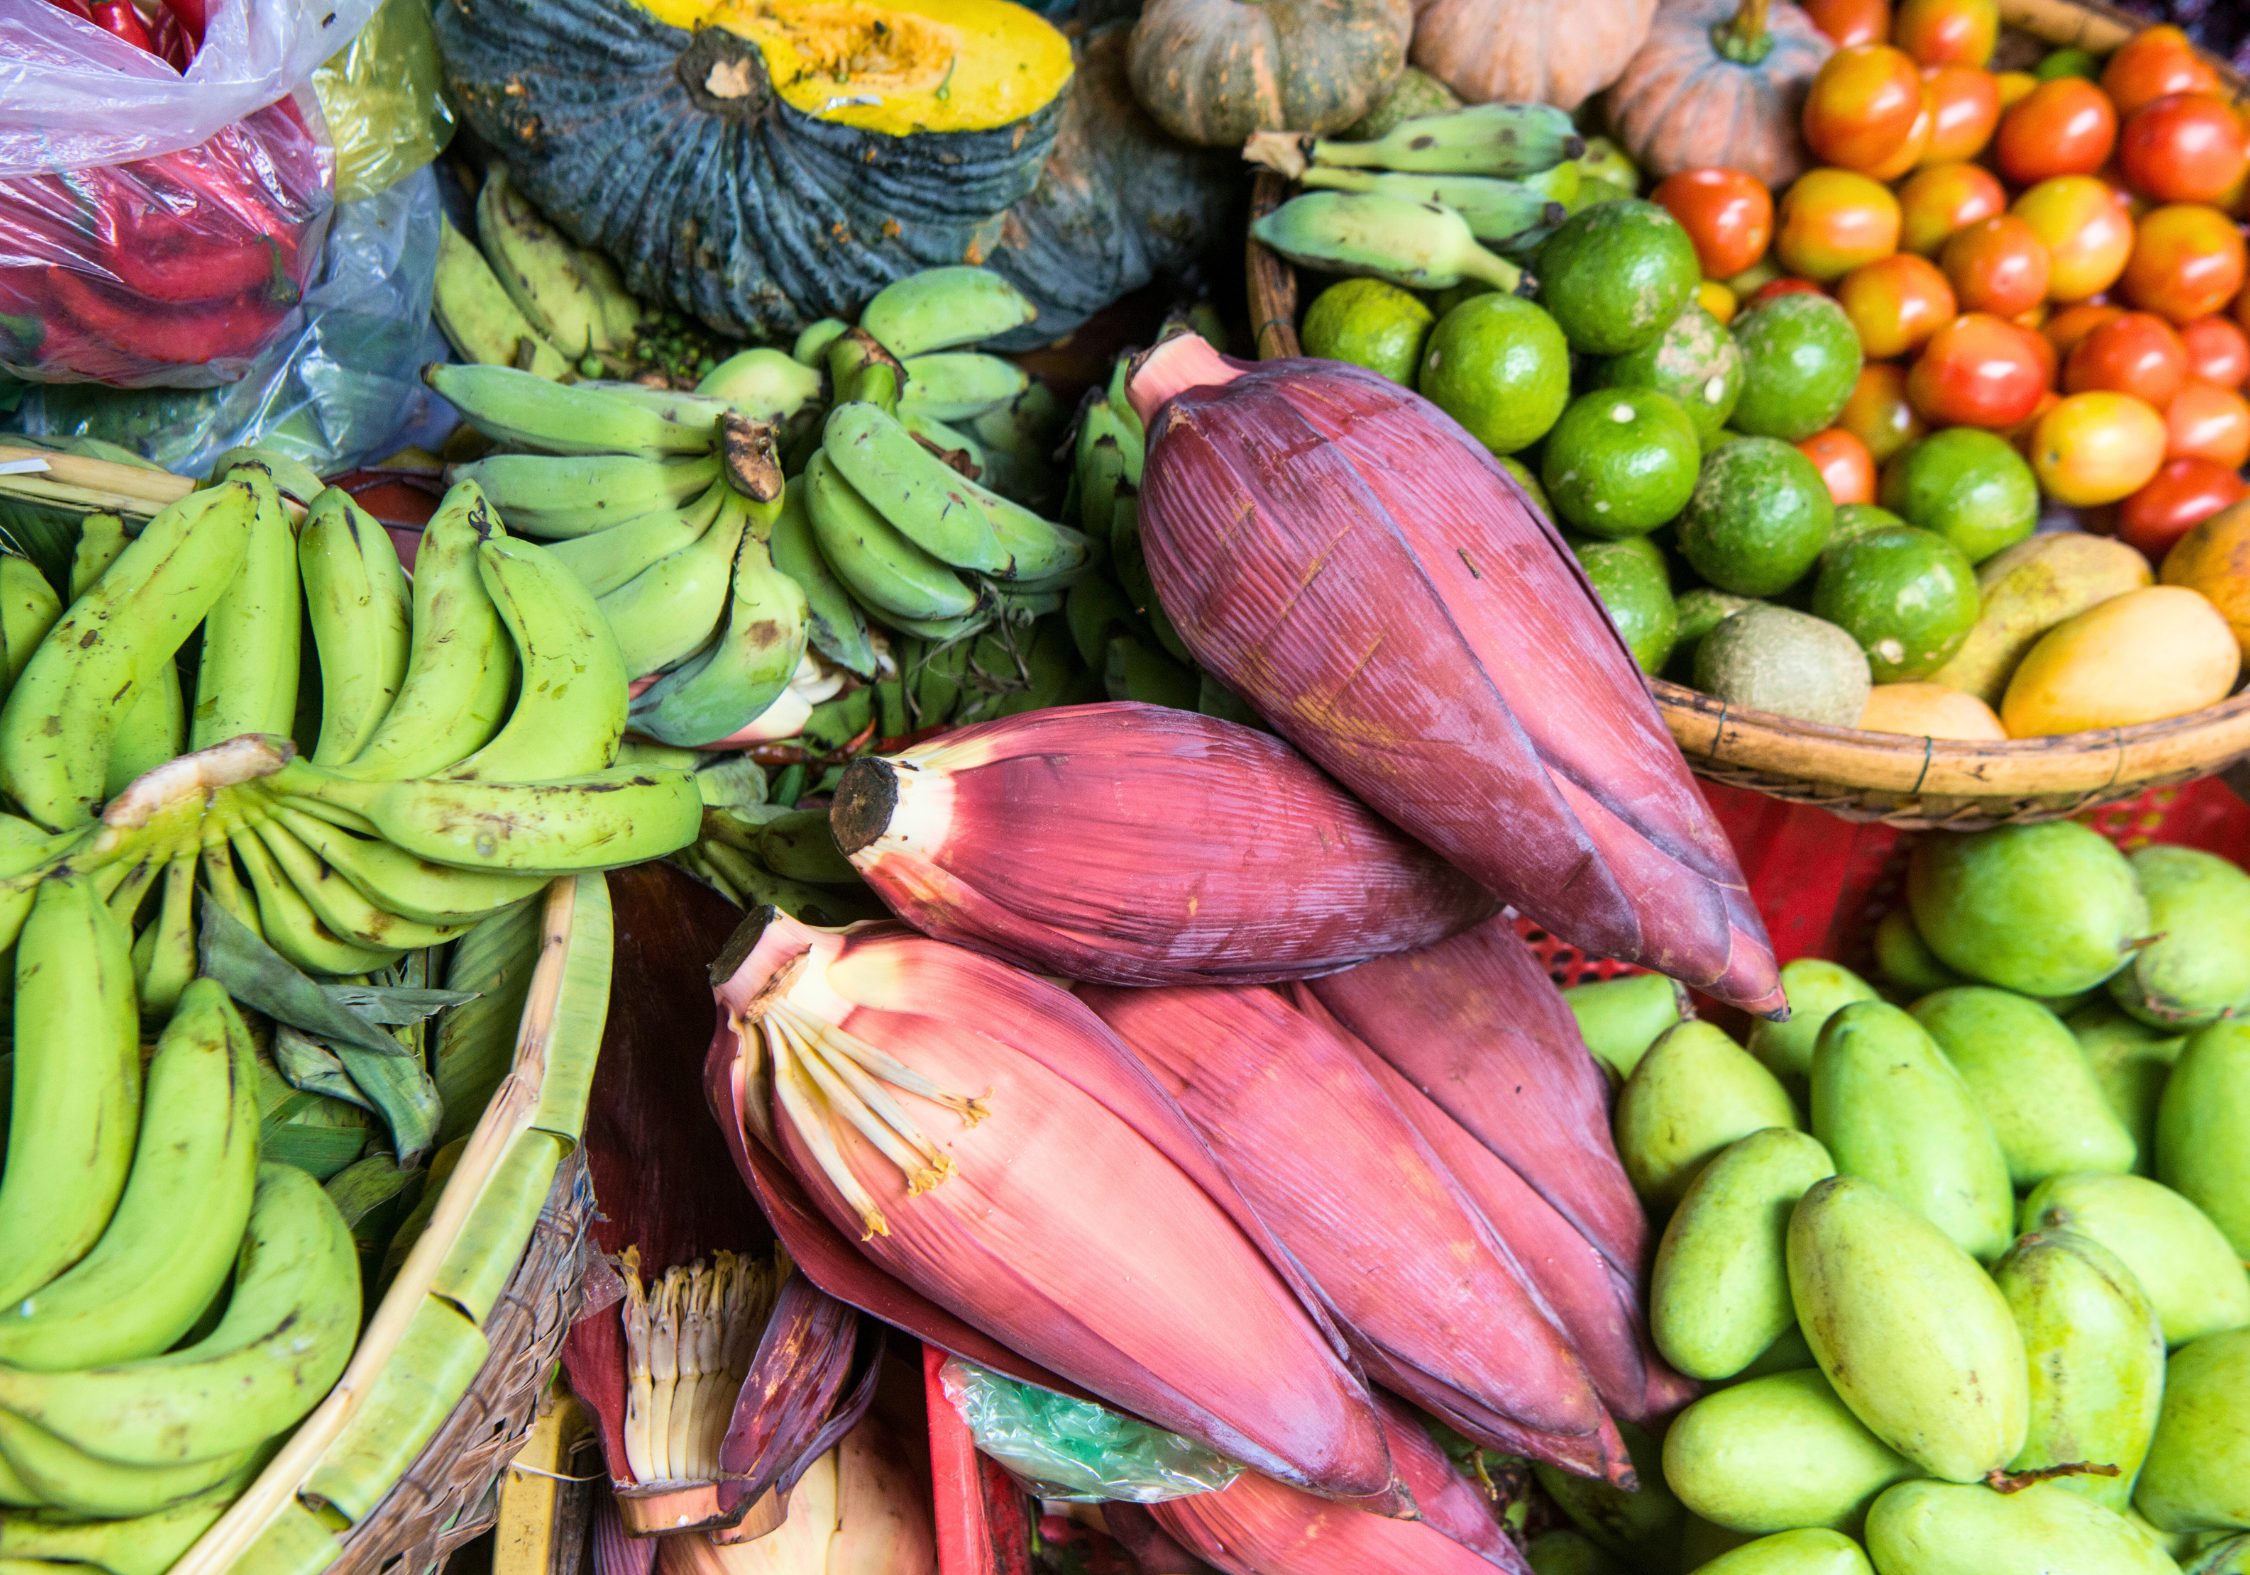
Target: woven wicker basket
{"points": [[1892, 777]]}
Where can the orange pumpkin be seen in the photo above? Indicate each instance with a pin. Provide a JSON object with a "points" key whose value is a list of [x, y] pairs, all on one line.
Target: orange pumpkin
{"points": [[1700, 93], [1518, 50]]}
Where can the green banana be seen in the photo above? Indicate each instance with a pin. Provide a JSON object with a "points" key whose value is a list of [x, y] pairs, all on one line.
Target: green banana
{"points": [[700, 411], [669, 609], [139, 1545], [883, 568], [813, 340], [292, 478], [343, 910], [28, 608], [606, 818], [939, 308], [462, 667], [153, 727], [763, 384], [222, 886], [957, 385], [570, 705], [76, 1088], [287, 1332], [155, 1269], [609, 558], [529, 412], [290, 925], [164, 958], [834, 624], [940, 630], [1130, 565], [861, 368], [1499, 212], [945, 442], [717, 693], [399, 883], [477, 317], [362, 616], [247, 680], [539, 269], [101, 537], [1137, 672], [1417, 245], [1483, 139], [1095, 610], [27, 854], [1020, 605], [79, 1482], [553, 495], [62, 715]]}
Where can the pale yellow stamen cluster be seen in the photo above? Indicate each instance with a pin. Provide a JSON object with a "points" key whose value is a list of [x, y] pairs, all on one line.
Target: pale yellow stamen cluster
{"points": [[689, 1340]]}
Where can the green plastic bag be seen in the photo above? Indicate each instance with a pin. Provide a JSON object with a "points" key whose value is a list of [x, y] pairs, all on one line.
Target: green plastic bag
{"points": [[381, 94], [1075, 1450]]}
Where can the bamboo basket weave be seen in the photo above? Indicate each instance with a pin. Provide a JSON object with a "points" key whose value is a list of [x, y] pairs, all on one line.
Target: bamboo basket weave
{"points": [[1895, 778]]}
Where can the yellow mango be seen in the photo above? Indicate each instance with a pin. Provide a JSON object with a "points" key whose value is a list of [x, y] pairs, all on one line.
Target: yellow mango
{"points": [[1929, 710], [2214, 558], [2026, 591], [2148, 654]]}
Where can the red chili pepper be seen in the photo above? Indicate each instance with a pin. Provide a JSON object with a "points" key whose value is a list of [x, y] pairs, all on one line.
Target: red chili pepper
{"points": [[192, 335], [170, 39], [117, 17], [192, 15], [77, 8]]}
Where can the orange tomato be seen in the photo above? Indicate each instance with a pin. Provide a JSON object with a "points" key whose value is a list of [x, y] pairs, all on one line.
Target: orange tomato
{"points": [[1848, 22], [2187, 262], [2152, 63], [2073, 323], [1785, 285], [1947, 32], [1832, 221], [1863, 107], [2088, 235], [1878, 413], [2097, 448], [1942, 198], [2133, 353], [1978, 371], [2063, 127], [2206, 421], [1728, 214], [1844, 463], [2031, 316], [1964, 110], [2015, 86], [2183, 148], [1997, 265], [2180, 496], [2218, 351], [1896, 303]]}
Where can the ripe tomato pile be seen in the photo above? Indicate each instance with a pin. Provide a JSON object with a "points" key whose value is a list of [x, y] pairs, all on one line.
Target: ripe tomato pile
{"points": [[2054, 255]]}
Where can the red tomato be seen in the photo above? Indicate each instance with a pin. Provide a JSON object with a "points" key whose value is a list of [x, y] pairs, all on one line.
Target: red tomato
{"points": [[1947, 32], [2180, 496], [1844, 463], [1832, 221], [2063, 127], [2096, 447], [2088, 234], [2205, 421], [2133, 353], [2073, 323], [1848, 22], [1878, 413], [1978, 371], [1998, 265], [1964, 111], [2152, 63], [1863, 107], [1785, 285], [1728, 214], [2187, 262], [1896, 303], [1943, 198], [2218, 351], [2182, 148]]}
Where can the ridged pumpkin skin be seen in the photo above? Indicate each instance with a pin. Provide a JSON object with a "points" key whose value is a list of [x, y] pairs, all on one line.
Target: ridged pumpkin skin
{"points": [[1213, 71], [670, 151], [1553, 51], [1682, 105]]}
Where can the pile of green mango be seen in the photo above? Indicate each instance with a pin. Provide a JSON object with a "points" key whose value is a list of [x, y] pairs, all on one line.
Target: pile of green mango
{"points": [[1960, 1260]]}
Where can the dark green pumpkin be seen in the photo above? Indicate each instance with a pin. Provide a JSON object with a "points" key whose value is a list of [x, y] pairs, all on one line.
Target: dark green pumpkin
{"points": [[1214, 71]]}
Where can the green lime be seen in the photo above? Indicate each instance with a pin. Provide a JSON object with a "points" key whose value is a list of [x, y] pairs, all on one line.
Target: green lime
{"points": [[1696, 361], [1759, 517], [1616, 274], [1800, 361], [1857, 519], [2067, 62], [1498, 365], [1638, 595], [1620, 461], [1700, 611], [1907, 596], [1968, 485], [1521, 474], [1371, 324]]}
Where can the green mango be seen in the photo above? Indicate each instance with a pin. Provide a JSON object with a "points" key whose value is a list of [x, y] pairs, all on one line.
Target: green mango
{"points": [[1701, 1543], [1776, 1454], [1637, 1525], [1892, 1110], [2097, 1360], [2197, 1477], [2227, 1556], [2199, 964], [2027, 1075], [1815, 989], [1809, 1552], [2192, 1276], [1788, 1354], [1906, 960], [1566, 1552], [1916, 1339], [2131, 1061], [1720, 1292], [2203, 1130], [1695, 1092], [1621, 1018], [1937, 1528], [2047, 909], [2180, 1545]]}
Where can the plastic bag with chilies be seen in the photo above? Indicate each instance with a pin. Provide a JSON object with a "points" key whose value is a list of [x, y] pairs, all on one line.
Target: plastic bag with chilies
{"points": [[1077, 1451], [382, 95]]}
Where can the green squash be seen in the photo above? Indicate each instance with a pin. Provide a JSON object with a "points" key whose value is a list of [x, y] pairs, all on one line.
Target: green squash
{"points": [[1213, 71]]}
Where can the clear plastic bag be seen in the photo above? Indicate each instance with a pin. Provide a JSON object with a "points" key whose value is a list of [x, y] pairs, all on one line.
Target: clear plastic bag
{"points": [[381, 94], [1075, 1450]]}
